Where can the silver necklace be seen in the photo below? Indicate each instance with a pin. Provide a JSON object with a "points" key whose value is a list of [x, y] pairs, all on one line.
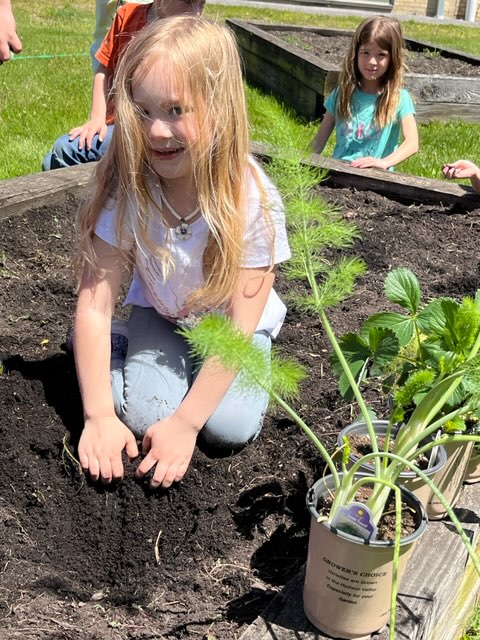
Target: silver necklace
{"points": [[183, 231]]}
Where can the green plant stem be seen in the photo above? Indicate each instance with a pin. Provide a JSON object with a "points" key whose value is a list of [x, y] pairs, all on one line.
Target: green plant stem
{"points": [[428, 408], [443, 440], [373, 506], [447, 439], [386, 484], [306, 429], [396, 554], [356, 391], [412, 444], [475, 348]]}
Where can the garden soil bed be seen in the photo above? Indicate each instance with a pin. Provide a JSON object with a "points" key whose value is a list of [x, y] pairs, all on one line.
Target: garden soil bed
{"points": [[79, 561], [333, 49]]}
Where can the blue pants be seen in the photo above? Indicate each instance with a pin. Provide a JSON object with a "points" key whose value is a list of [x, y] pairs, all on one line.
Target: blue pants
{"points": [[65, 152], [158, 372]]}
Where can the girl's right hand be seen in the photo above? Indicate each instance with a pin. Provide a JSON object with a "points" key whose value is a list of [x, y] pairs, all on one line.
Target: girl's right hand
{"points": [[87, 131], [460, 169], [101, 445]]}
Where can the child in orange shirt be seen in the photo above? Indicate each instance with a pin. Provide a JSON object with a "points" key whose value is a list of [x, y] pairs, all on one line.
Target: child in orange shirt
{"points": [[94, 135]]}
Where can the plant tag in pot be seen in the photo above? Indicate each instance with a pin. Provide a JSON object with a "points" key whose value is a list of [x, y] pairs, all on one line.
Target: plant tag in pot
{"points": [[356, 519]]}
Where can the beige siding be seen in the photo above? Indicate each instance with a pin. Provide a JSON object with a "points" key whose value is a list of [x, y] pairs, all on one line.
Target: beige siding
{"points": [[454, 9]]}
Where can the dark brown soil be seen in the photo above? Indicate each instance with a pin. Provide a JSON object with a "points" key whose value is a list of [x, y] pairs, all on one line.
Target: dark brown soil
{"points": [[332, 49], [79, 561], [361, 445]]}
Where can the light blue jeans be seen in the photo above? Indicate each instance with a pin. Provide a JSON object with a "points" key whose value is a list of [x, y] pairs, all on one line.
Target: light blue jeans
{"points": [[158, 372], [65, 152]]}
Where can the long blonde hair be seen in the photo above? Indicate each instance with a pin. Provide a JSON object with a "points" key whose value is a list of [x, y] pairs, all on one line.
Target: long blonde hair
{"points": [[386, 32], [203, 58]]}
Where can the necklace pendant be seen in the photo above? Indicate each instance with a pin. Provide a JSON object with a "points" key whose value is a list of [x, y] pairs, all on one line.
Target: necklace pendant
{"points": [[183, 231]]}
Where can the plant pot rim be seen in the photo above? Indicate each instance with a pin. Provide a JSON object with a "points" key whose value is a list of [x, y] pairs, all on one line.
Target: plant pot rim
{"points": [[422, 519], [406, 474]]}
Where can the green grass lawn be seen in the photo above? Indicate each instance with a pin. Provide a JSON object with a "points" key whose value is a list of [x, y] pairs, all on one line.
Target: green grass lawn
{"points": [[46, 90]]}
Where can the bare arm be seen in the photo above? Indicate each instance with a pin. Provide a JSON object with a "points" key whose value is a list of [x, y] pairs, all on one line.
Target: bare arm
{"points": [[318, 143], [408, 147], [169, 444], [98, 114], [463, 169], [9, 40], [104, 436]]}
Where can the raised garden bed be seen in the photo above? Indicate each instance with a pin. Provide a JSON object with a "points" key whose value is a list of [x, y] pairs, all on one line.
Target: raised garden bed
{"points": [[288, 61], [78, 561]]}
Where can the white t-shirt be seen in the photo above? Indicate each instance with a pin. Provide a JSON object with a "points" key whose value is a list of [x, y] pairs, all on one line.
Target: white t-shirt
{"points": [[149, 287]]}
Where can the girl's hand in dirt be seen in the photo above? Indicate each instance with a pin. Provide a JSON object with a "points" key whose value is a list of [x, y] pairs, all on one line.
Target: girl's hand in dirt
{"points": [[369, 163], [87, 131], [101, 445], [168, 446]]}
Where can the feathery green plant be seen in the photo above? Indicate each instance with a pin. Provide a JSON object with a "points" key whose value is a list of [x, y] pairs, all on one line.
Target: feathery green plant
{"points": [[315, 226]]}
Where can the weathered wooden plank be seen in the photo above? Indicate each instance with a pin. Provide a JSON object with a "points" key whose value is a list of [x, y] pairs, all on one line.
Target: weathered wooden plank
{"points": [[268, 26], [272, 78], [19, 194], [399, 186], [34, 190], [436, 595], [426, 112], [435, 89], [302, 64]]}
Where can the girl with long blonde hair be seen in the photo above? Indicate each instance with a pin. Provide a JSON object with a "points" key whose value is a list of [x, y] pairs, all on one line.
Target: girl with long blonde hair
{"points": [[370, 108], [181, 207]]}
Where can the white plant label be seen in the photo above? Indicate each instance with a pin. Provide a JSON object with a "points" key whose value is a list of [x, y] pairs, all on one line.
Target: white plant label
{"points": [[356, 519]]}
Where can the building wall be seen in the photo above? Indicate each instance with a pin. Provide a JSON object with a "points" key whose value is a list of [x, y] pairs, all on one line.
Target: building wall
{"points": [[453, 9]]}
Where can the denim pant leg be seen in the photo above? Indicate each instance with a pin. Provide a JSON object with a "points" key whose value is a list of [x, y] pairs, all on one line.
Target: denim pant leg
{"points": [[157, 373], [238, 419], [65, 152]]}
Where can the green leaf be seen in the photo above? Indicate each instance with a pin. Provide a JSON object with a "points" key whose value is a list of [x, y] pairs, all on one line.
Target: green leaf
{"points": [[450, 309], [216, 336], [402, 287], [354, 348], [452, 426], [384, 346], [357, 353], [343, 383], [439, 357], [431, 319], [399, 323], [467, 325]]}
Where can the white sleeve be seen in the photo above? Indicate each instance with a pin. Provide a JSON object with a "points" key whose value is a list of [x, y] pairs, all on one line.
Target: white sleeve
{"points": [[105, 227], [258, 231]]}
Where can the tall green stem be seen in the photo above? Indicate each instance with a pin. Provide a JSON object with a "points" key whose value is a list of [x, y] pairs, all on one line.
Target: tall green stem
{"points": [[353, 383]]}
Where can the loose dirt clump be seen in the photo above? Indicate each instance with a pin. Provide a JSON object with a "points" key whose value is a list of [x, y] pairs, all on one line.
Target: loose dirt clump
{"points": [[83, 561]]}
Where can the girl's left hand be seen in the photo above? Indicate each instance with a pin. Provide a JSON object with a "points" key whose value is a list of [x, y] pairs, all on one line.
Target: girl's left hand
{"points": [[168, 446], [369, 163]]}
